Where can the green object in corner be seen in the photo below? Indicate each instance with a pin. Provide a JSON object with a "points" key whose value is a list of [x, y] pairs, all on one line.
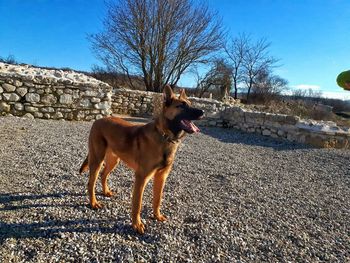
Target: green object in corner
{"points": [[344, 78]]}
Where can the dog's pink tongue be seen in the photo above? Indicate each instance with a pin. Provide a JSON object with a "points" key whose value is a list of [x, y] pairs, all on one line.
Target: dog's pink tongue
{"points": [[191, 126]]}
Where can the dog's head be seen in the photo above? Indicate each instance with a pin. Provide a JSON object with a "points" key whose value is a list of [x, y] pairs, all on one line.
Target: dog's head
{"points": [[179, 113]]}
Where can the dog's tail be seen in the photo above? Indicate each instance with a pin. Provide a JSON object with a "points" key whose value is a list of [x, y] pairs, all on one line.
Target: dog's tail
{"points": [[85, 166]]}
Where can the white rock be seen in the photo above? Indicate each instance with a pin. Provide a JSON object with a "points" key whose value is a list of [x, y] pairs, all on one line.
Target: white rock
{"points": [[102, 105], [58, 115], [47, 109], [17, 83], [66, 99], [266, 132], [11, 97], [29, 116], [38, 114], [58, 73], [32, 97], [19, 106], [31, 109], [4, 107], [85, 103], [95, 100], [8, 87], [49, 99], [91, 93], [22, 91]]}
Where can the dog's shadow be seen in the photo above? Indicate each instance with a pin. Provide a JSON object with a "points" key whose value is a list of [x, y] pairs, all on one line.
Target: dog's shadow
{"points": [[56, 228]]}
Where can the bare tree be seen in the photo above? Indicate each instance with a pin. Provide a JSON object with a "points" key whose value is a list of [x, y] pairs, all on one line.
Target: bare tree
{"points": [[268, 87], [217, 79], [306, 93], [236, 50], [255, 61], [157, 39]]}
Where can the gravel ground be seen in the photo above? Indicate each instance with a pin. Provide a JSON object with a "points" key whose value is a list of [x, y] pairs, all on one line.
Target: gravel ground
{"points": [[230, 197]]}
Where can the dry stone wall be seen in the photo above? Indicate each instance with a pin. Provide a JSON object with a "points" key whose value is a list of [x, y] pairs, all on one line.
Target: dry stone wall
{"points": [[134, 102], [54, 94], [228, 115], [323, 134]]}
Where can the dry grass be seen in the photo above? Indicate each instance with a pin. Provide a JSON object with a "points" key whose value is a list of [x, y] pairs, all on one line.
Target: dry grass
{"points": [[303, 109]]}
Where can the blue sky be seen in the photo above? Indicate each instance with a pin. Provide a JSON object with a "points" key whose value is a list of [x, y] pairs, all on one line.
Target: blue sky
{"points": [[311, 37]]}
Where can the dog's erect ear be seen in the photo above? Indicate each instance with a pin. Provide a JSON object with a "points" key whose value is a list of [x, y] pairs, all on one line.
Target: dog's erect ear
{"points": [[168, 95], [183, 94]]}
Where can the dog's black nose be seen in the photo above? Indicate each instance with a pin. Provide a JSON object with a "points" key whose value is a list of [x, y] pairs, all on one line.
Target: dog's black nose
{"points": [[202, 112]]}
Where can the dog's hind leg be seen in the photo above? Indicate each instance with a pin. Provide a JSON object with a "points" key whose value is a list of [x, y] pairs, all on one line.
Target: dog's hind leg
{"points": [[96, 156], [111, 161], [85, 166]]}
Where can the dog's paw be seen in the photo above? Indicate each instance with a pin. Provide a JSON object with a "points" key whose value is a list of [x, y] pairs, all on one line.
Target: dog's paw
{"points": [[108, 193], [139, 227], [96, 205], [160, 217]]}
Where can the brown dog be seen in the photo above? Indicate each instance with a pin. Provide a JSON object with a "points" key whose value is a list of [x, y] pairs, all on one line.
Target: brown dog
{"points": [[148, 149]]}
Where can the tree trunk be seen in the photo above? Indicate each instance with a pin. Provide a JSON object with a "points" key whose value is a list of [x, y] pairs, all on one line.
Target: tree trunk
{"points": [[235, 87], [249, 88]]}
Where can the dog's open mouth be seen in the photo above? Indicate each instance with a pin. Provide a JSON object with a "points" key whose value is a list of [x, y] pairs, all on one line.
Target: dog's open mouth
{"points": [[189, 127]]}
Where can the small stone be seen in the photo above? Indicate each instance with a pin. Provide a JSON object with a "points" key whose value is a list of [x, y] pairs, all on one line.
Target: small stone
{"points": [[95, 100], [38, 114], [80, 115], [32, 97], [28, 116], [17, 83], [85, 103], [58, 74], [102, 105], [49, 99], [4, 107], [66, 99], [31, 109], [11, 97], [9, 87], [58, 115], [91, 93], [47, 109], [28, 84], [59, 91], [21, 91], [266, 132], [280, 133], [68, 91], [19, 106]]}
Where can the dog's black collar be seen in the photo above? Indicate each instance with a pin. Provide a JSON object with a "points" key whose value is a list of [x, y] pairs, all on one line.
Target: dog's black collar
{"points": [[175, 135]]}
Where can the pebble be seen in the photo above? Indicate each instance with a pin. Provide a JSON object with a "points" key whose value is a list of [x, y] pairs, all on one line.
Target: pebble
{"points": [[231, 197]]}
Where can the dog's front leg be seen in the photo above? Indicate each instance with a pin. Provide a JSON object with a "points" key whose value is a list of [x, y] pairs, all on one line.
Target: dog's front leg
{"points": [[158, 186], [141, 180]]}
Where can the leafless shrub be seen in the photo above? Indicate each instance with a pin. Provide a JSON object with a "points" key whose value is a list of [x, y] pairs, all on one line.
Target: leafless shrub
{"points": [[217, 80], [267, 87]]}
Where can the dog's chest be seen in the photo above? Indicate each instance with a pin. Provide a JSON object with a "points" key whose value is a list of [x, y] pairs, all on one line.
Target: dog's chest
{"points": [[168, 156]]}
